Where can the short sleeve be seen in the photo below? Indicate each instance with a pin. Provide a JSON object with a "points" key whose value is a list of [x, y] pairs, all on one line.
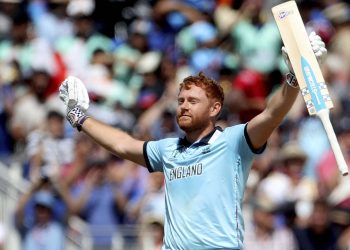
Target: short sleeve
{"points": [[238, 138], [152, 154]]}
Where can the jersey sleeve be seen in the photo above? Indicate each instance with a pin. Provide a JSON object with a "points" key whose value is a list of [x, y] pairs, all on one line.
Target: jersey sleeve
{"points": [[152, 154], [239, 141], [238, 138]]}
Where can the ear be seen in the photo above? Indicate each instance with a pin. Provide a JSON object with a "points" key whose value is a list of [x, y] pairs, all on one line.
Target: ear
{"points": [[215, 109]]}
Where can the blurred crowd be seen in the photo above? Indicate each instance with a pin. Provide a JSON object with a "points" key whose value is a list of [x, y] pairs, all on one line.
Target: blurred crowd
{"points": [[132, 55]]}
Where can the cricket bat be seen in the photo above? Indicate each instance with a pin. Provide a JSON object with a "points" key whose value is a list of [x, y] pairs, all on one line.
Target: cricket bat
{"points": [[307, 71]]}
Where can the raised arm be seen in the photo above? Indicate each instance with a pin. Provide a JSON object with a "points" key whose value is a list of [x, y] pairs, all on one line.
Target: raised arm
{"points": [[74, 94], [260, 127], [115, 140]]}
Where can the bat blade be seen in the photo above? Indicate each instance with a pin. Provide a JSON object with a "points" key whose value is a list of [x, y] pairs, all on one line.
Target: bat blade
{"points": [[303, 59], [307, 71]]}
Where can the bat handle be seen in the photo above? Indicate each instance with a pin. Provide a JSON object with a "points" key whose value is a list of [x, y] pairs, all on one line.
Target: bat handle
{"points": [[324, 117]]}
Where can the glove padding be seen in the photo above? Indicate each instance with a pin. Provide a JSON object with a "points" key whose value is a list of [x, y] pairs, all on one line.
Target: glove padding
{"points": [[76, 117], [73, 93], [75, 96], [318, 47]]}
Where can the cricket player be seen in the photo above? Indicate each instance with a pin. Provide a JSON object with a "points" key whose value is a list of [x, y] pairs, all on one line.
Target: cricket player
{"points": [[206, 171]]}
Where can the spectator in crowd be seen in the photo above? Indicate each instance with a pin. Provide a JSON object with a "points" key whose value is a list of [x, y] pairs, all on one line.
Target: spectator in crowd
{"points": [[46, 146], [338, 15], [40, 216], [29, 111], [8, 9], [158, 120], [312, 138], [8, 73], [77, 49], [152, 88], [151, 205], [252, 26], [152, 233], [128, 53], [45, 232], [96, 203], [26, 48], [265, 164], [320, 233], [331, 185], [168, 18], [287, 184], [262, 231], [249, 90], [50, 19], [71, 172], [101, 196]]}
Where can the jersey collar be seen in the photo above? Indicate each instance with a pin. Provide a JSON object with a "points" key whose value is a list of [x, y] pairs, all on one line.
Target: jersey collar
{"points": [[183, 142]]}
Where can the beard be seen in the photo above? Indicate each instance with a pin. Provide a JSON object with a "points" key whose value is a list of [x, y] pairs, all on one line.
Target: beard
{"points": [[189, 123]]}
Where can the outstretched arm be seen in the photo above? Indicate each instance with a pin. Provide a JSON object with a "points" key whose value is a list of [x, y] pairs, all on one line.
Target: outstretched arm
{"points": [[115, 140], [74, 94]]}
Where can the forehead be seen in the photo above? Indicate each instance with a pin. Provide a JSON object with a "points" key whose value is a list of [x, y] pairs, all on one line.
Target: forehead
{"points": [[193, 91]]}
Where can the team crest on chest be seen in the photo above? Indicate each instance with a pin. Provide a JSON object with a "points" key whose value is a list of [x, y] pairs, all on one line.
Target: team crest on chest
{"points": [[206, 149], [177, 153]]}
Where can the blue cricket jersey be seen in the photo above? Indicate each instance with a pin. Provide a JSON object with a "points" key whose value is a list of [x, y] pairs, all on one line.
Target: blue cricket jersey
{"points": [[204, 187]]}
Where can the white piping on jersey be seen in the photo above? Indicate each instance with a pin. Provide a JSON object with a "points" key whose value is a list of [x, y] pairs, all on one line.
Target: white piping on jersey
{"points": [[215, 136]]}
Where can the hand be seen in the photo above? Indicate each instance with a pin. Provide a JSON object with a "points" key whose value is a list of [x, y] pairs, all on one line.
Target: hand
{"points": [[318, 47], [74, 95]]}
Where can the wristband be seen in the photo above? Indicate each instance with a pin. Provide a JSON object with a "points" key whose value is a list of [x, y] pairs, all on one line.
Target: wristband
{"points": [[76, 117], [292, 80], [81, 121]]}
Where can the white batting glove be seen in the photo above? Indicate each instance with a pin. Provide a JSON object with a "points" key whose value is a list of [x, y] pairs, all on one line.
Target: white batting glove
{"points": [[319, 49], [75, 96], [73, 93]]}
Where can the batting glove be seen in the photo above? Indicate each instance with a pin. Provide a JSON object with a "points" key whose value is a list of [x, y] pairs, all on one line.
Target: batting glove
{"points": [[319, 49], [74, 95]]}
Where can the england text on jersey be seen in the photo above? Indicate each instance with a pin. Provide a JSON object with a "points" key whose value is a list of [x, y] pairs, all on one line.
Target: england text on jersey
{"points": [[185, 172]]}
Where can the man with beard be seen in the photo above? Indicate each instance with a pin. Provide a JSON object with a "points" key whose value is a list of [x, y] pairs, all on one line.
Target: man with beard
{"points": [[205, 171]]}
